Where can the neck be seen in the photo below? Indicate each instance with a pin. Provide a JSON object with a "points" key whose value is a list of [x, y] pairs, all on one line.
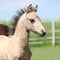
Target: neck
{"points": [[21, 33]]}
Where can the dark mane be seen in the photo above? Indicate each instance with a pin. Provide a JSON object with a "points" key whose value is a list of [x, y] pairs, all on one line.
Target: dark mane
{"points": [[16, 18]]}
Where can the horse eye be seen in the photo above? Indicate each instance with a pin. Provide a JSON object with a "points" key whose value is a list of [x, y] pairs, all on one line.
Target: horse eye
{"points": [[32, 20]]}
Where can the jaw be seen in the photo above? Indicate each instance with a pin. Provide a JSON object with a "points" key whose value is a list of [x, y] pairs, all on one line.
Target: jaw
{"points": [[40, 34]]}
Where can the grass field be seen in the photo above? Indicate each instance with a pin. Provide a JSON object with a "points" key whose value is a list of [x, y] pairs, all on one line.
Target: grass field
{"points": [[45, 53]]}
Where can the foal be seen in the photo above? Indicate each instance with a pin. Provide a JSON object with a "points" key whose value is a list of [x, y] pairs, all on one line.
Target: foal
{"points": [[17, 46]]}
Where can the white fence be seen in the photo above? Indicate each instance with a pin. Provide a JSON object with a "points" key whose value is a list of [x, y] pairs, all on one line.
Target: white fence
{"points": [[53, 37], [53, 33]]}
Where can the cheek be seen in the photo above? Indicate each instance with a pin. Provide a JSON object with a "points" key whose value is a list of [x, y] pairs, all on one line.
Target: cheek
{"points": [[29, 26], [37, 27]]}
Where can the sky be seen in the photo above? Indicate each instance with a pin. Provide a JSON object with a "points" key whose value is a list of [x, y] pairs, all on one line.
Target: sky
{"points": [[47, 9]]}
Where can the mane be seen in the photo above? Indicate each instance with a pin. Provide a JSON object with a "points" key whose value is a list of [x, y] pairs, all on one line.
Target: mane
{"points": [[16, 18], [19, 14]]}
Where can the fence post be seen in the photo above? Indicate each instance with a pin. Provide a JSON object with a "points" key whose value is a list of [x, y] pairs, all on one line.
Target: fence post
{"points": [[53, 32]]}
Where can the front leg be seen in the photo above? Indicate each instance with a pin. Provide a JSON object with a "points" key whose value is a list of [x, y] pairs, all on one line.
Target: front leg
{"points": [[29, 54], [26, 56]]}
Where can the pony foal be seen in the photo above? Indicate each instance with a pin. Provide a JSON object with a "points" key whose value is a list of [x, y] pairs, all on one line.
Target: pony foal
{"points": [[17, 46]]}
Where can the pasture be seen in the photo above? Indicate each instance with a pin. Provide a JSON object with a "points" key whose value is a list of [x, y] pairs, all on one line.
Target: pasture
{"points": [[45, 51]]}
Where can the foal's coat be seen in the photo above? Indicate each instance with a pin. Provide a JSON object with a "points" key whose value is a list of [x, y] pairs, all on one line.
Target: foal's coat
{"points": [[17, 46]]}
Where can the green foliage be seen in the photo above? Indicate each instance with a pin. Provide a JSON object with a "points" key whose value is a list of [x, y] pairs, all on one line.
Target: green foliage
{"points": [[6, 22]]}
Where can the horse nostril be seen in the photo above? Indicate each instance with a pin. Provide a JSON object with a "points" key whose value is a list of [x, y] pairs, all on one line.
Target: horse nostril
{"points": [[43, 32]]}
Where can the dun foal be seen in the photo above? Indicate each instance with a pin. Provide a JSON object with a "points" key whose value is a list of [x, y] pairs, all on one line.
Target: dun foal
{"points": [[17, 46]]}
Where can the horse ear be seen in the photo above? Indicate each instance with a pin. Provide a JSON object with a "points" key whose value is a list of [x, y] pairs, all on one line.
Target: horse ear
{"points": [[36, 6], [29, 8]]}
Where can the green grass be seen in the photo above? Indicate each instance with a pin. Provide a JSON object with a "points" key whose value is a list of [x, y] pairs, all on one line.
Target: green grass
{"points": [[45, 53], [57, 25]]}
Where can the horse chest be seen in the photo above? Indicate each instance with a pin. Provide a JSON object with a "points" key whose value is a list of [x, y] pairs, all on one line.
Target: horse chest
{"points": [[26, 54], [23, 54]]}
